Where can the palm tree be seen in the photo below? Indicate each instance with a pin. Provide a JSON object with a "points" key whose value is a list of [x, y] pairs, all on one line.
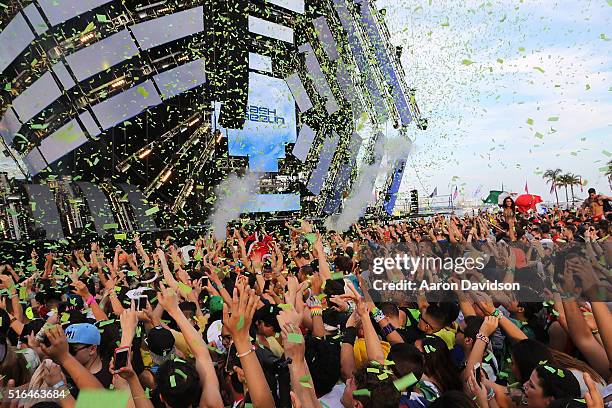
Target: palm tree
{"points": [[609, 173], [552, 177], [573, 180], [564, 180]]}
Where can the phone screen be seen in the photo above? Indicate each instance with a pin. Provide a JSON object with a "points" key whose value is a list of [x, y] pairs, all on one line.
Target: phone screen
{"points": [[121, 357], [141, 302], [477, 373]]}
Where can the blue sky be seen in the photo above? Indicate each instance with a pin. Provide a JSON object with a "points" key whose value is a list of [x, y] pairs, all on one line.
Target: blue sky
{"points": [[485, 70]]}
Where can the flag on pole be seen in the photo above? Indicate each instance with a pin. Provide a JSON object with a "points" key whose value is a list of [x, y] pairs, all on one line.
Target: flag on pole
{"points": [[434, 193], [456, 193], [526, 188]]}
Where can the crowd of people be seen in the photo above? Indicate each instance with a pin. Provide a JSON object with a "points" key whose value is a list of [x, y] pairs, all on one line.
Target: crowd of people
{"points": [[287, 316]]}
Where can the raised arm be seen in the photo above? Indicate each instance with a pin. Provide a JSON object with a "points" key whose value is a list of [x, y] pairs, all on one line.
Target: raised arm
{"points": [[211, 398], [237, 320]]}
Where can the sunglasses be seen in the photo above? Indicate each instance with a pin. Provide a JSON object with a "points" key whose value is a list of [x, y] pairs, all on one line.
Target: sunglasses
{"points": [[74, 348]]}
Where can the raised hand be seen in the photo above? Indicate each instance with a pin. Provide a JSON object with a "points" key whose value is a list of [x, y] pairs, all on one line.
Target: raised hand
{"points": [[81, 289], [293, 349], [237, 318], [489, 325], [168, 299], [58, 348]]}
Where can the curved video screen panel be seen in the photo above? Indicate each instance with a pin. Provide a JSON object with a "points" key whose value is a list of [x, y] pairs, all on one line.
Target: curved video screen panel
{"points": [[270, 125]]}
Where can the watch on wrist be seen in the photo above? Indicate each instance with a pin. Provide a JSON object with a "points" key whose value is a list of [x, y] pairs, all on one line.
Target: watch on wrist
{"points": [[496, 313]]}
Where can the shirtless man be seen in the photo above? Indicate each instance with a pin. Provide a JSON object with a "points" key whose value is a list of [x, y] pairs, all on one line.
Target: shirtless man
{"points": [[595, 204]]}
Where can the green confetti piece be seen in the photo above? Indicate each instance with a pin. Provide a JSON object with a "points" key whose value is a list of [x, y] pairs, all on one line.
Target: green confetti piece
{"points": [[285, 306], [23, 293], [295, 338], [101, 18], [172, 381], [110, 226], [383, 376], [550, 369], [311, 237], [389, 362], [65, 317], [240, 323], [553, 119], [29, 313], [362, 393], [539, 69], [121, 236], [186, 289], [607, 153], [181, 373], [337, 276], [373, 370], [467, 62], [90, 27], [405, 382], [106, 322], [152, 211], [142, 91], [529, 121]]}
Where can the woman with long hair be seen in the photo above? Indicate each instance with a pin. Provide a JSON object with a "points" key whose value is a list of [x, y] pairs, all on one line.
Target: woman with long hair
{"points": [[440, 370], [509, 210]]}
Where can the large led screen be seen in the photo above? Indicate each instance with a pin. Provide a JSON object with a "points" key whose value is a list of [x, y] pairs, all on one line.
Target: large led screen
{"points": [[270, 124]]}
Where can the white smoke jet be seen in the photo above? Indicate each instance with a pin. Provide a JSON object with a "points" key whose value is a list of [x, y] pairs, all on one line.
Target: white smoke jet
{"points": [[233, 195], [393, 150]]}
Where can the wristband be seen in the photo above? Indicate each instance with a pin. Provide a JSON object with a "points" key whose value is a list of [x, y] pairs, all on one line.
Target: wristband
{"points": [[378, 315], [480, 336], [388, 329], [495, 313], [246, 353], [90, 300], [316, 311], [350, 335], [490, 394], [59, 385]]}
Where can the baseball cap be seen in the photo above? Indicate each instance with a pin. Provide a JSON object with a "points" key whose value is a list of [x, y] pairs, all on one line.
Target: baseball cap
{"points": [[547, 243], [83, 333], [160, 341]]}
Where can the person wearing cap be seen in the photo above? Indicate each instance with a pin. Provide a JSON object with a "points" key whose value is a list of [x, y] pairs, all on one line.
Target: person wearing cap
{"points": [[83, 342], [160, 342]]}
